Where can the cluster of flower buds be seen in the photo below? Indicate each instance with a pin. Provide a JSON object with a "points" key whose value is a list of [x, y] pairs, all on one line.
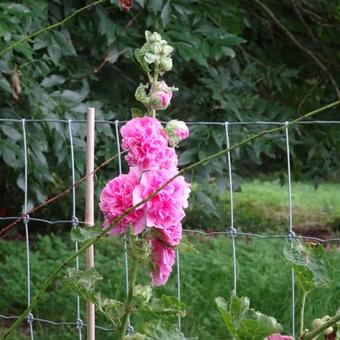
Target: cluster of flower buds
{"points": [[157, 53]]}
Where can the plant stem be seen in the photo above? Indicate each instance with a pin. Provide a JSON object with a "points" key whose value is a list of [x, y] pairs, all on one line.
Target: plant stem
{"points": [[311, 335], [302, 312], [91, 241], [128, 306], [50, 27]]}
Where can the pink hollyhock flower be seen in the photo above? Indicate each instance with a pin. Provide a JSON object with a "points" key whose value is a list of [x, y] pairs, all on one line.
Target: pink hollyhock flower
{"points": [[164, 258], [166, 208], [115, 198], [279, 337], [165, 98], [172, 235], [145, 141], [170, 160]]}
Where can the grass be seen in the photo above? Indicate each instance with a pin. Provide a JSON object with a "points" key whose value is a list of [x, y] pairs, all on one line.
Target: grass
{"points": [[310, 205], [262, 206], [263, 275]]}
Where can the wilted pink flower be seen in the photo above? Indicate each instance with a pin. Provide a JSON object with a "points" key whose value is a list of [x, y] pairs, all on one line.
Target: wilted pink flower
{"points": [[145, 140], [165, 98], [164, 258], [125, 4], [166, 208], [279, 337], [116, 197]]}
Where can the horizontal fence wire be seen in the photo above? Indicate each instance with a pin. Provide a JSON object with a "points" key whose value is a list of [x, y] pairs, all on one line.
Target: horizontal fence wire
{"points": [[233, 233]]}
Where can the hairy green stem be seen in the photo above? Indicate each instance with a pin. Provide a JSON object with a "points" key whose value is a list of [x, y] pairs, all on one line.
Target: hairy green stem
{"points": [[129, 301], [311, 335], [302, 312], [91, 241], [50, 27]]}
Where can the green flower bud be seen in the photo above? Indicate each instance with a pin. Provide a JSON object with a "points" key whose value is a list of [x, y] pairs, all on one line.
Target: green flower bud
{"points": [[165, 65]]}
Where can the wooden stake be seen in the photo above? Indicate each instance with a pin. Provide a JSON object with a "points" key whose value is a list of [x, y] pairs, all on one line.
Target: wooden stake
{"points": [[89, 211]]}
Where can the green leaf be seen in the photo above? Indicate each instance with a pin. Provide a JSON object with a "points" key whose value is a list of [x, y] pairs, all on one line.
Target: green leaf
{"points": [[83, 234], [243, 323], [84, 282], [4, 84], [166, 305], [310, 264], [14, 8], [52, 80], [142, 293], [165, 14], [161, 330], [26, 50], [11, 132]]}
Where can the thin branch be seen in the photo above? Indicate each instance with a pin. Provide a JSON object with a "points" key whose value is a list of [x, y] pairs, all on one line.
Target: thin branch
{"points": [[308, 94], [300, 16], [50, 27], [312, 55], [94, 239], [6, 229]]}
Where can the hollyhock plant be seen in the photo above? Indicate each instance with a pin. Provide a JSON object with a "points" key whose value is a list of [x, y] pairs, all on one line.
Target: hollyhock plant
{"points": [[164, 258]]}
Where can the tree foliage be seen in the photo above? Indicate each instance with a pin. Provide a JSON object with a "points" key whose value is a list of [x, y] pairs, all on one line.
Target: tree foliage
{"points": [[233, 61]]}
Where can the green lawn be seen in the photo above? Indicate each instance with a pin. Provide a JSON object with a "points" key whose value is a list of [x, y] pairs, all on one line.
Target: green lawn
{"points": [[310, 205], [262, 206]]}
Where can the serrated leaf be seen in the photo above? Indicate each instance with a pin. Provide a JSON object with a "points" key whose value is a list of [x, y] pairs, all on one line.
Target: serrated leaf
{"points": [[83, 234], [310, 264], [157, 330], [142, 293], [166, 305], [84, 284], [243, 323]]}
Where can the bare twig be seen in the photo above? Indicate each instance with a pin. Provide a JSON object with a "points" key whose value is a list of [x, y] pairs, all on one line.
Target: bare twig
{"points": [[50, 200], [297, 43], [308, 94]]}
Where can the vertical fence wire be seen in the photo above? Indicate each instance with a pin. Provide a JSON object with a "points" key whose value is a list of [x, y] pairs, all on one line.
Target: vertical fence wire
{"points": [[30, 317], [233, 231], [79, 322], [291, 233], [126, 261], [178, 267]]}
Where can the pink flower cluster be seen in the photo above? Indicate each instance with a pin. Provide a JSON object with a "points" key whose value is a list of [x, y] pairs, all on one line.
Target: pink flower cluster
{"points": [[278, 336], [152, 163]]}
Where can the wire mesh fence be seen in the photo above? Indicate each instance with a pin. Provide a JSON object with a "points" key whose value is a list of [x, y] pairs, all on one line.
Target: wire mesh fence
{"points": [[75, 221]]}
